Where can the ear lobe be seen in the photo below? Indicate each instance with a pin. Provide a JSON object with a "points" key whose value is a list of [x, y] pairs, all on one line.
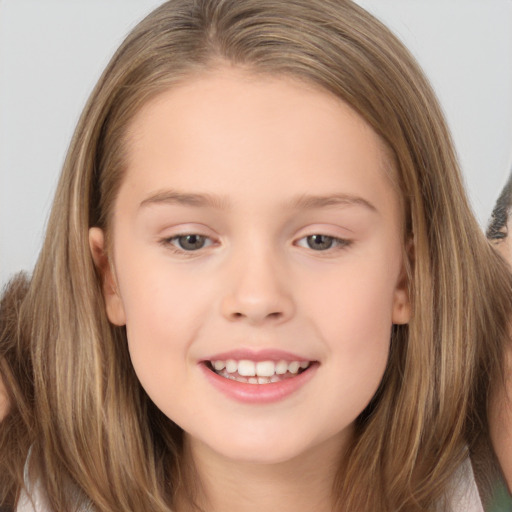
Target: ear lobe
{"points": [[401, 306], [402, 309], [113, 303]]}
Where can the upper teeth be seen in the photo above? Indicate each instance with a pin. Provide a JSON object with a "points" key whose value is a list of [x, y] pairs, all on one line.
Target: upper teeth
{"points": [[247, 368]]}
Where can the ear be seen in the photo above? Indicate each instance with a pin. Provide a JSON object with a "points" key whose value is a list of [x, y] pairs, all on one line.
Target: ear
{"points": [[402, 309], [401, 306], [113, 303]]}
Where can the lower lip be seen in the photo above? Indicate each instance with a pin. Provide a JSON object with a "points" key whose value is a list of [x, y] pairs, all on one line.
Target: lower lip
{"points": [[259, 393]]}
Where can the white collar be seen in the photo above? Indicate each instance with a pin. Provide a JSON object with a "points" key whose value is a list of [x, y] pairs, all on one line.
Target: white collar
{"points": [[464, 495]]}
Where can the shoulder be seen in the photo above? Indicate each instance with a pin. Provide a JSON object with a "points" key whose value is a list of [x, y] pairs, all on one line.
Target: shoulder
{"points": [[32, 500], [33, 497], [463, 492]]}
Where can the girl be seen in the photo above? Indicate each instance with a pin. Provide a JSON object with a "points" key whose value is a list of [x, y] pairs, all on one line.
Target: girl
{"points": [[261, 285]]}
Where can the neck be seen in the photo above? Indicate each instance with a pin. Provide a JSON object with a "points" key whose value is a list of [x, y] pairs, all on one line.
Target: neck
{"points": [[301, 484]]}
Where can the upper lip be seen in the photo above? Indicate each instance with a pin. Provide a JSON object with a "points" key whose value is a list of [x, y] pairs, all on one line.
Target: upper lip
{"points": [[257, 355]]}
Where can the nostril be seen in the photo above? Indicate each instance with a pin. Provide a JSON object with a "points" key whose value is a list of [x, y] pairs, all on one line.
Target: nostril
{"points": [[274, 315]]}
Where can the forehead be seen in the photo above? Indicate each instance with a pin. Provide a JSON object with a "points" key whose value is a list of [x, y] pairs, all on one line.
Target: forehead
{"points": [[239, 125]]}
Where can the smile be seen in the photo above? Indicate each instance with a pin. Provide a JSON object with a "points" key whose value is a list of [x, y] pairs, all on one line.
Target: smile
{"points": [[259, 377], [258, 372]]}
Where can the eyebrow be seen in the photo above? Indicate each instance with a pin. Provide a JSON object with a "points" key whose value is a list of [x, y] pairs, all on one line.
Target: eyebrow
{"points": [[186, 199], [302, 202], [311, 202]]}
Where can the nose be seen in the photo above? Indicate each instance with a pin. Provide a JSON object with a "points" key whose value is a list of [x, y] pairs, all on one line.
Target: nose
{"points": [[257, 291]]}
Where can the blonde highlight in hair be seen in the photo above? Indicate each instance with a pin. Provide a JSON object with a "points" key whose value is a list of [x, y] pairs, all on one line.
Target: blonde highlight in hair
{"points": [[95, 435]]}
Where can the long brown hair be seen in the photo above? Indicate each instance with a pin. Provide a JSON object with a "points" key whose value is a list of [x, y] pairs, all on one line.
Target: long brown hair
{"points": [[94, 434]]}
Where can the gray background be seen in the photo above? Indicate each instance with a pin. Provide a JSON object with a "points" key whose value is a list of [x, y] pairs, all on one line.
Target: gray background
{"points": [[52, 52]]}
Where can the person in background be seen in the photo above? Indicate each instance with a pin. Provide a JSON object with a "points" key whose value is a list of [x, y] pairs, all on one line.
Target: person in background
{"points": [[500, 407]]}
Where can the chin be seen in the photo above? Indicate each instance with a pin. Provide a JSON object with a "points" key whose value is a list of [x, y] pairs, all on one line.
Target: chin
{"points": [[263, 447], [266, 454]]}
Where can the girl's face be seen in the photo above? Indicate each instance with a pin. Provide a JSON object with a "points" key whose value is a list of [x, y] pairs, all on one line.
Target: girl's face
{"points": [[257, 263]]}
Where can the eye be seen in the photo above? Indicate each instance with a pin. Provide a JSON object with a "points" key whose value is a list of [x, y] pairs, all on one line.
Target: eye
{"points": [[320, 242], [190, 242]]}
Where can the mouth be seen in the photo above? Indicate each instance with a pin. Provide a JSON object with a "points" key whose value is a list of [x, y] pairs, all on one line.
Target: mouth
{"points": [[258, 372]]}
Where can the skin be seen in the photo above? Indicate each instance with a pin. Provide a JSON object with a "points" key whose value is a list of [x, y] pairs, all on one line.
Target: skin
{"points": [[500, 413], [504, 247], [256, 148], [4, 401]]}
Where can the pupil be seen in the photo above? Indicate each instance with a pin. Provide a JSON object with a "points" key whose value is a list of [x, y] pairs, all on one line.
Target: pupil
{"points": [[320, 242], [191, 242]]}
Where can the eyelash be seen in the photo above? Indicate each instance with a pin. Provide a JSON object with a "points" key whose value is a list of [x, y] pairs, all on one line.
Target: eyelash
{"points": [[172, 243], [334, 243]]}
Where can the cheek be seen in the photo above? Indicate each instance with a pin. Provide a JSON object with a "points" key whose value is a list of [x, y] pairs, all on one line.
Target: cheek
{"points": [[505, 248], [163, 320], [163, 314], [354, 317], [355, 306]]}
